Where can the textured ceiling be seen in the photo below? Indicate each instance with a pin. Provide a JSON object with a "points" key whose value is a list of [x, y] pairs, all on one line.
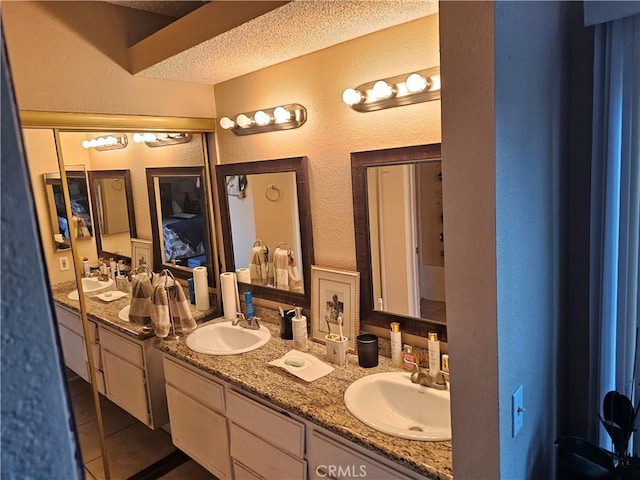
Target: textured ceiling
{"points": [[293, 30]]}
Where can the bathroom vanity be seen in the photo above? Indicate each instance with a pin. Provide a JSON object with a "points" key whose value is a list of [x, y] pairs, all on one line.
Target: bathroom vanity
{"points": [[128, 369], [241, 418]]}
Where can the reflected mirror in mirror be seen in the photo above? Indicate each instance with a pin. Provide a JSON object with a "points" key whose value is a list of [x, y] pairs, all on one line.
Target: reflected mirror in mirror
{"points": [[81, 224], [179, 219], [266, 227], [398, 216], [112, 203]]}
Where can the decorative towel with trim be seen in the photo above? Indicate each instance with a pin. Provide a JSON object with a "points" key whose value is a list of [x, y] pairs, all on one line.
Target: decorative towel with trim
{"points": [[141, 290], [259, 265], [287, 276], [168, 300]]}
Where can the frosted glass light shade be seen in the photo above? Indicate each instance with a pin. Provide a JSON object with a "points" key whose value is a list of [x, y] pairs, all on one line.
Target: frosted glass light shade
{"points": [[226, 123], [351, 96]]}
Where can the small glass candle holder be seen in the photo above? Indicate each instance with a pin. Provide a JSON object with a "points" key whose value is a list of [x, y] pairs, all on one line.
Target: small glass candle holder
{"points": [[336, 349]]}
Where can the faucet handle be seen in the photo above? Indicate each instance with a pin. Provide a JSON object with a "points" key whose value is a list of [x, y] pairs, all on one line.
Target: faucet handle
{"points": [[416, 367]]}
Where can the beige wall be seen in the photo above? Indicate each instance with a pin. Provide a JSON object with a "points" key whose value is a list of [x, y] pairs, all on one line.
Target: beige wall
{"points": [[333, 130], [73, 57]]}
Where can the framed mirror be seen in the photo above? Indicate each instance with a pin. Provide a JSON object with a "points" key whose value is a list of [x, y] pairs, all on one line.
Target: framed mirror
{"points": [[266, 227], [397, 204], [81, 225], [112, 205], [180, 221]]}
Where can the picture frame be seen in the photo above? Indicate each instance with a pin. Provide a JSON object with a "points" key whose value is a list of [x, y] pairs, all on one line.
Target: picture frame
{"points": [[141, 253], [334, 293]]}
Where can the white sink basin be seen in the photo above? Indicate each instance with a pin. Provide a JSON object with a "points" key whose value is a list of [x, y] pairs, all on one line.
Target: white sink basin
{"points": [[226, 339], [123, 314], [390, 403], [90, 285]]}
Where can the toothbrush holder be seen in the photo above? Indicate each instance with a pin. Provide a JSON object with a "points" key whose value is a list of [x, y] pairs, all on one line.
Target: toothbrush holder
{"points": [[336, 349]]}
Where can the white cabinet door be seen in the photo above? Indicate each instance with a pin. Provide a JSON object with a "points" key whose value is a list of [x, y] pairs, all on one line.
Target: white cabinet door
{"points": [[199, 432], [74, 351], [329, 459], [125, 385]]}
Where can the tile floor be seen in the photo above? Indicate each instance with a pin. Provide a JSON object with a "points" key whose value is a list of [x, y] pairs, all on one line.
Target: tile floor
{"points": [[131, 446]]}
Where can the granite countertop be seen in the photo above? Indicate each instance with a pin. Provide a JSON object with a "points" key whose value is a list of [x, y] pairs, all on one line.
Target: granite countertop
{"points": [[107, 312], [321, 401]]}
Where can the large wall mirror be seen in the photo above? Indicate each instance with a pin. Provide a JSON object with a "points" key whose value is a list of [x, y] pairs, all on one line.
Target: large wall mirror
{"points": [[397, 198], [81, 224], [180, 221], [266, 227], [112, 205]]}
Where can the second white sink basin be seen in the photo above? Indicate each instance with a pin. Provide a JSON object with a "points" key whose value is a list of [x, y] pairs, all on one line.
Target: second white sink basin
{"points": [[90, 285], [123, 314], [390, 403], [226, 339]]}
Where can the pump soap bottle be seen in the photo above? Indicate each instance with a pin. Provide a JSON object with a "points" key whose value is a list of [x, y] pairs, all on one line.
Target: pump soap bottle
{"points": [[299, 327], [434, 353], [396, 344]]}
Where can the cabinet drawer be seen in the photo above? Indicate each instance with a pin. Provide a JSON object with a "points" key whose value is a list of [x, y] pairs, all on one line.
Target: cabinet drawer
{"points": [[279, 430], [332, 460], [240, 472], [199, 388], [93, 332], [263, 458], [199, 432], [125, 349], [69, 319], [97, 359]]}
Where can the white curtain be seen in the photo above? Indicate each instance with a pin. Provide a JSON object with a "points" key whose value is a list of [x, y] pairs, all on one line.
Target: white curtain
{"points": [[615, 209]]}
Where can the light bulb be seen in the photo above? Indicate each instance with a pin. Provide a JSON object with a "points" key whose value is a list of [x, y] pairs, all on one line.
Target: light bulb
{"points": [[138, 138], [243, 121], [281, 114], [415, 83], [85, 144], [111, 140], [226, 123], [434, 82], [149, 137], [351, 96], [382, 90], [93, 143], [262, 118]]}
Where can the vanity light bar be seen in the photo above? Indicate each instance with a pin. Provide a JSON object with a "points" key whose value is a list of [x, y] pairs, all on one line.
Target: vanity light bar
{"points": [[283, 117], [161, 139], [415, 87], [110, 142]]}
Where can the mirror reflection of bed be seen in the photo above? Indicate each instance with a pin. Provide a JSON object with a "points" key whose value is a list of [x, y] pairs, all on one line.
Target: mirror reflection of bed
{"points": [[182, 222]]}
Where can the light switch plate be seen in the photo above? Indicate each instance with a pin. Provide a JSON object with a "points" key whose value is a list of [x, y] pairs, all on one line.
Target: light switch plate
{"points": [[517, 410], [64, 263]]}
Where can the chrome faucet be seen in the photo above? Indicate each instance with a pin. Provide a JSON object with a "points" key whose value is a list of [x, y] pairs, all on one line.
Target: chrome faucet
{"points": [[425, 379], [252, 323]]}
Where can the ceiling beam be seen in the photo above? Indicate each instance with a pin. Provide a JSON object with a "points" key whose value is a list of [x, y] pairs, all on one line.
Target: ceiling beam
{"points": [[199, 26]]}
